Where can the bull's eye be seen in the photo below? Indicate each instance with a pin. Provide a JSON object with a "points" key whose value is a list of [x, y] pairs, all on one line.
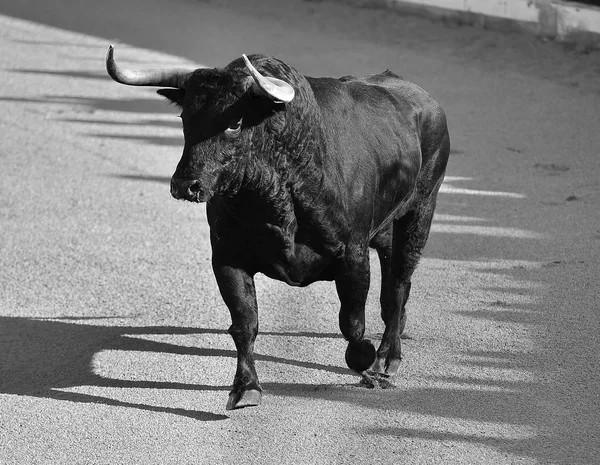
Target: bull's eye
{"points": [[235, 127]]}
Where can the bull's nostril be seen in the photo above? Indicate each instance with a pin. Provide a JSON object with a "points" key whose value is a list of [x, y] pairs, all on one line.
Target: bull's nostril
{"points": [[195, 187]]}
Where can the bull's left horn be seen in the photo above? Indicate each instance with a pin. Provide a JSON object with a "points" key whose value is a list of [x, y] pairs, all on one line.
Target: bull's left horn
{"points": [[278, 90], [174, 77]]}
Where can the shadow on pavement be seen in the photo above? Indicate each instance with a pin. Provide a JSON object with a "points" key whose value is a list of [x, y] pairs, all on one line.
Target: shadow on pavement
{"points": [[139, 105], [41, 357], [144, 178], [84, 107], [79, 74]]}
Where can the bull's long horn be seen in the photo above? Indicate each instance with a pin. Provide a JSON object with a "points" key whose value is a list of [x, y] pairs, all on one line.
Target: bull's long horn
{"points": [[278, 90], [174, 77]]}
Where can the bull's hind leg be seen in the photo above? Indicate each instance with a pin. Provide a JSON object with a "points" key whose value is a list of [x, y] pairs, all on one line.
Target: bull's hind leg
{"points": [[399, 256]]}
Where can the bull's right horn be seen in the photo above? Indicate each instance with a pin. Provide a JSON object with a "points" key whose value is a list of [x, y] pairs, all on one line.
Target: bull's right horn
{"points": [[278, 90], [174, 77]]}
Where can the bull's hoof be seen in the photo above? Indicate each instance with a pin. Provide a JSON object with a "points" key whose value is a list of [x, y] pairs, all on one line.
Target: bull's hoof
{"points": [[373, 380], [392, 366], [382, 371], [249, 398], [386, 367], [378, 366], [368, 381], [360, 356], [385, 383]]}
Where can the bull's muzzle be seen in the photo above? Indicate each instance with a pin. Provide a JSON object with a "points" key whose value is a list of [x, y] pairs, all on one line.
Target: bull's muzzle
{"points": [[188, 189]]}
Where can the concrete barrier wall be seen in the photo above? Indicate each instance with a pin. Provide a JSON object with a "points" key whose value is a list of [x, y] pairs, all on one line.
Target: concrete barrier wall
{"points": [[569, 21]]}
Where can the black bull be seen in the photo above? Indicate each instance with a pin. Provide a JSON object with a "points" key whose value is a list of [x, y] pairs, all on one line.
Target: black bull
{"points": [[301, 176]]}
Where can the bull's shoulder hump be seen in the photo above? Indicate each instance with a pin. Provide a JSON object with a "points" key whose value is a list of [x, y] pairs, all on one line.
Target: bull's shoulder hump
{"points": [[329, 92], [396, 85], [385, 87], [386, 78], [400, 88], [407, 92]]}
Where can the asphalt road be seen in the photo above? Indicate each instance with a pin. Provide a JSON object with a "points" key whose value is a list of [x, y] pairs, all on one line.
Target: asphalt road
{"points": [[112, 332]]}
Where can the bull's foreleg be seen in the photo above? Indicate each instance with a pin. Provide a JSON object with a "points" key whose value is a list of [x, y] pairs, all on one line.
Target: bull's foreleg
{"points": [[239, 293], [352, 283]]}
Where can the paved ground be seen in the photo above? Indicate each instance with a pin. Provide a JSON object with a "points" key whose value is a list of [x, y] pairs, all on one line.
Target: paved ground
{"points": [[112, 342]]}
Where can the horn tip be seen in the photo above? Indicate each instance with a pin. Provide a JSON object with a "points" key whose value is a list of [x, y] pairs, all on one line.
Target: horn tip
{"points": [[110, 51]]}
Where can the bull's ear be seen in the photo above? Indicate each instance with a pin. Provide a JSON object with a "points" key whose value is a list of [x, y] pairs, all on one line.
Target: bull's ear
{"points": [[175, 96]]}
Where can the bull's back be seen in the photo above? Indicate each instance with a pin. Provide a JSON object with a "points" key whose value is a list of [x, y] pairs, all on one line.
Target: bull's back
{"points": [[381, 129], [410, 99]]}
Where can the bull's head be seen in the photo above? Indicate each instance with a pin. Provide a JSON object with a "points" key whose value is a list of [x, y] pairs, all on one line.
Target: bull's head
{"points": [[220, 109]]}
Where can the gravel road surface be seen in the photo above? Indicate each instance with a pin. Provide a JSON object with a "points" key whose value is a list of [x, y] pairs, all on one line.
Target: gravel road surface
{"points": [[113, 343]]}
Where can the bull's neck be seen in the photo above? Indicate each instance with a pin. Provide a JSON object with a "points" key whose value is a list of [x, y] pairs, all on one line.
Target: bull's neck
{"points": [[259, 197], [285, 214], [302, 206], [287, 189]]}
